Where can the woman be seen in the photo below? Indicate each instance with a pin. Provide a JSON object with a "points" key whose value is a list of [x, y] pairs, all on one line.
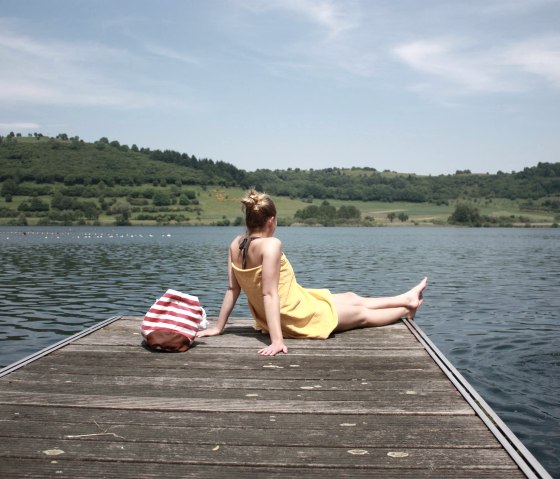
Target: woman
{"points": [[279, 305]]}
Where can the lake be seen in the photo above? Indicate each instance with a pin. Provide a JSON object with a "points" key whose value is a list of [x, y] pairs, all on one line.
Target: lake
{"points": [[492, 305]]}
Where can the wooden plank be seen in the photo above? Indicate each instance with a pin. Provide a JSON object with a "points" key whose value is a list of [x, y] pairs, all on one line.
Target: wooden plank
{"points": [[405, 404], [351, 390], [383, 397], [263, 456], [287, 421], [34, 380], [256, 341], [378, 434], [71, 469], [266, 371], [244, 336], [212, 360]]}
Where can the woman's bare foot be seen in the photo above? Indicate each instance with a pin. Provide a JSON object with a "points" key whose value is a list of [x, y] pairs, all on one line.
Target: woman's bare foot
{"points": [[414, 297], [412, 312]]}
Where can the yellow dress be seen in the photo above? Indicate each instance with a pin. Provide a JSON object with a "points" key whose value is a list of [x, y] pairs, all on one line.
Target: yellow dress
{"points": [[304, 313]]}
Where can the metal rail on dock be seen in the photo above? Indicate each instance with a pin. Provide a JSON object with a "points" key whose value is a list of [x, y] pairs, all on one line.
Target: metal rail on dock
{"points": [[43, 352], [518, 452]]}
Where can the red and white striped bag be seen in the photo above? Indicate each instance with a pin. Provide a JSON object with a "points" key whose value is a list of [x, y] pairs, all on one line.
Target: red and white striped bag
{"points": [[172, 321]]}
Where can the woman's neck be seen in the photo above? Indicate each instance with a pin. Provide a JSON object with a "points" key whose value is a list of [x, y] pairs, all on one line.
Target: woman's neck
{"points": [[264, 233]]}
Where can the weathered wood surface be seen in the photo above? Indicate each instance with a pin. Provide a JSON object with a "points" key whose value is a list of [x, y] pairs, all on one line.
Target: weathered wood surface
{"points": [[368, 403]]}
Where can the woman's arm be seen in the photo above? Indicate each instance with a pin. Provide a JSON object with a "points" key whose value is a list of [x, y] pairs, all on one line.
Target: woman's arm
{"points": [[228, 303], [271, 253]]}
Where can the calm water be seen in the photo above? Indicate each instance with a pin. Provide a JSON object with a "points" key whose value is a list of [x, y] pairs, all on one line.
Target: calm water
{"points": [[492, 305]]}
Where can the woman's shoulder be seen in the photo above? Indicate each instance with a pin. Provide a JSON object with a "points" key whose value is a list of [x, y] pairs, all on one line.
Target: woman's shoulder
{"points": [[272, 243], [237, 240], [272, 240]]}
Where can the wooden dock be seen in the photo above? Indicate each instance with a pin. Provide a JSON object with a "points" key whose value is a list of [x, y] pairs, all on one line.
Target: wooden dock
{"points": [[367, 403]]}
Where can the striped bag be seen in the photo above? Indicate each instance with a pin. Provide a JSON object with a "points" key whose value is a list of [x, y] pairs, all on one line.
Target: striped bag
{"points": [[172, 322]]}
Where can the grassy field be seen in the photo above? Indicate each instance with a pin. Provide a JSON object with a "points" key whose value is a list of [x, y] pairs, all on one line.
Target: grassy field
{"points": [[219, 205]]}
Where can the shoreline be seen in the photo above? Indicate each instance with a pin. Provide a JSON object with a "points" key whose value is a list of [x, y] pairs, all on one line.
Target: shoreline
{"points": [[409, 224]]}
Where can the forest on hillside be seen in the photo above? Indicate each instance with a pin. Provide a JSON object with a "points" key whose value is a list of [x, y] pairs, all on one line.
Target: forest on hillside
{"points": [[62, 173], [72, 161]]}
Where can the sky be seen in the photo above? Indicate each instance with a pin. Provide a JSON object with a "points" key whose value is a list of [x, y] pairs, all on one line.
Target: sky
{"points": [[413, 86]]}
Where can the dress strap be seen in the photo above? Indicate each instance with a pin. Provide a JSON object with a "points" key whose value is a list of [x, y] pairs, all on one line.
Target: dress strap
{"points": [[244, 247]]}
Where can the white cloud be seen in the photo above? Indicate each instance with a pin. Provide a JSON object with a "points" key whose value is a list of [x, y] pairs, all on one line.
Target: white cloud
{"points": [[458, 68], [332, 38], [16, 126], [327, 14], [540, 57], [170, 54], [514, 6], [332, 16], [65, 73], [466, 69]]}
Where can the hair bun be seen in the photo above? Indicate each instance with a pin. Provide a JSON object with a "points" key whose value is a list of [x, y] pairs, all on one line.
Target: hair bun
{"points": [[251, 200], [258, 208]]}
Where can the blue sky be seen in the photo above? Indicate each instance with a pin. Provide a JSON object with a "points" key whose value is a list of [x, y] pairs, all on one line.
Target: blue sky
{"points": [[419, 86]]}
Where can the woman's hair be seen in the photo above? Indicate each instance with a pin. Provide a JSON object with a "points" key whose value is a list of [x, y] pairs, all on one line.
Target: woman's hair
{"points": [[258, 208]]}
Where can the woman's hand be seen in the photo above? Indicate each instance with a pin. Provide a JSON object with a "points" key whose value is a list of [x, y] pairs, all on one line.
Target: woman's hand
{"points": [[214, 331], [274, 349]]}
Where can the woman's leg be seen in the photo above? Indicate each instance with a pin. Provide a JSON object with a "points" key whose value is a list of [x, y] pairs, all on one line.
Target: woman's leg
{"points": [[357, 317], [357, 312]]}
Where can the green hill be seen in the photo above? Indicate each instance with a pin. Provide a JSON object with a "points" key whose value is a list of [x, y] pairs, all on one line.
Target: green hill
{"points": [[72, 161], [68, 181]]}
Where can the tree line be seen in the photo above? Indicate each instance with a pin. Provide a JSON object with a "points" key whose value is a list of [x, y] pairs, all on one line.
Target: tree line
{"points": [[33, 164], [367, 184], [328, 215]]}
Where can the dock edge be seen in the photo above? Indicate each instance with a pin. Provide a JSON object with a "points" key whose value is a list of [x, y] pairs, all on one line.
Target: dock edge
{"points": [[518, 452], [49, 349]]}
